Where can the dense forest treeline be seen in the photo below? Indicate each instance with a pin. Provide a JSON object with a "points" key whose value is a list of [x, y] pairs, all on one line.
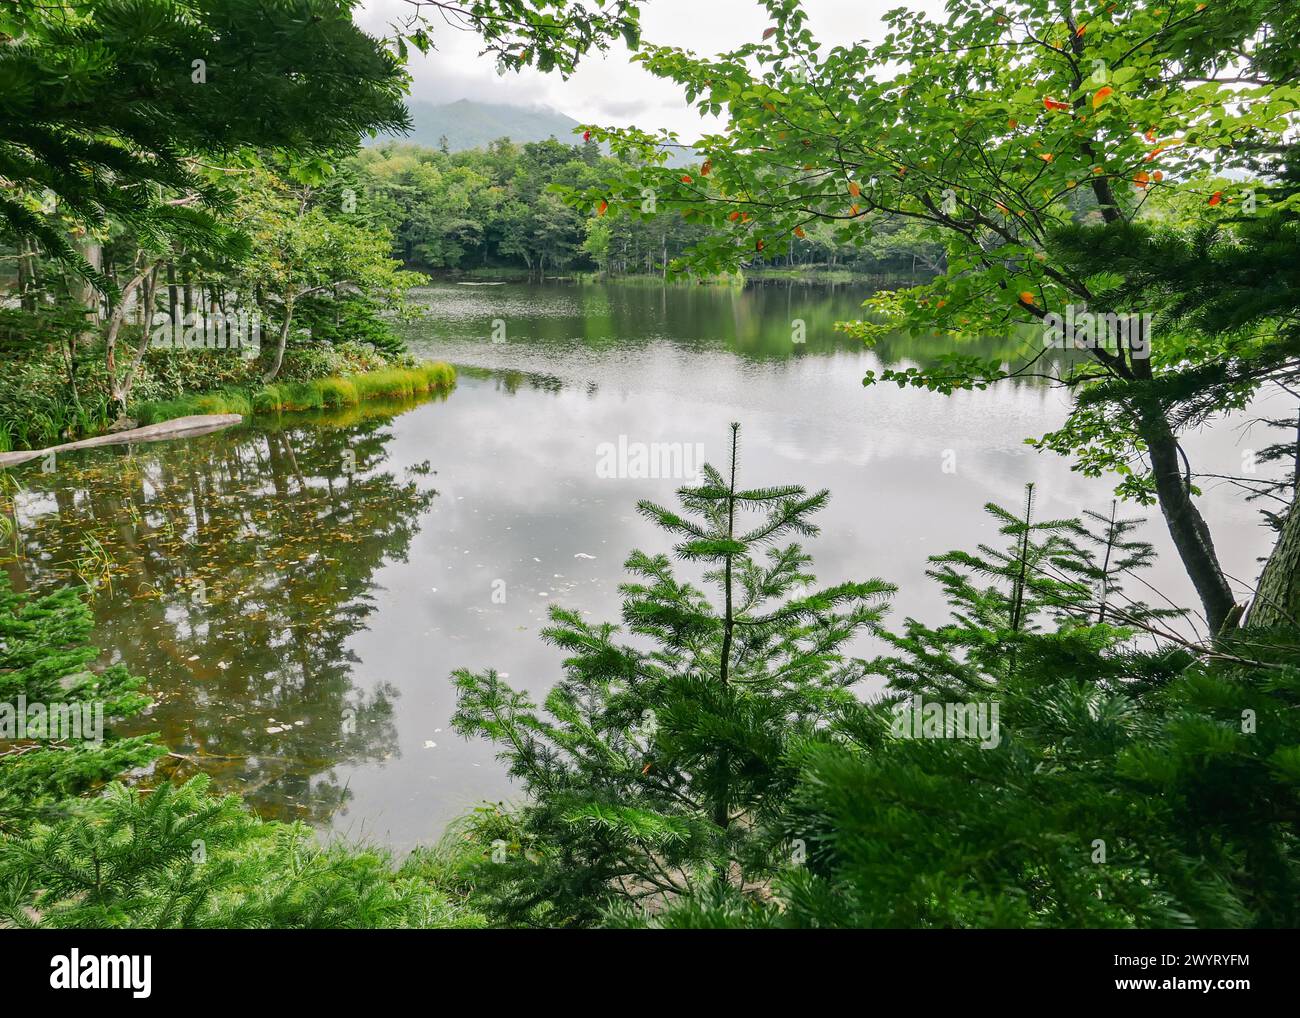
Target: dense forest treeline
{"points": [[499, 207]]}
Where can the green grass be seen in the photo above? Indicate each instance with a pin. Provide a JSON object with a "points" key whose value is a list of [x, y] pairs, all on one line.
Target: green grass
{"points": [[317, 394]]}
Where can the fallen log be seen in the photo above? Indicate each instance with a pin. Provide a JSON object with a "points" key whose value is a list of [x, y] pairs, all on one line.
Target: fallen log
{"points": [[181, 427]]}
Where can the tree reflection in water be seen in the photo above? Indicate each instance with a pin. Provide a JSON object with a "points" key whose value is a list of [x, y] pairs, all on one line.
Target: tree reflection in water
{"points": [[234, 569]]}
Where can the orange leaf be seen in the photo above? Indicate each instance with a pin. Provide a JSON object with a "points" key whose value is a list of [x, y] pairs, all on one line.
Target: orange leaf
{"points": [[1158, 175], [686, 179], [1216, 197], [704, 170], [1053, 104], [1046, 157], [1150, 135], [1013, 123], [586, 136], [798, 232], [1101, 95], [855, 188], [602, 208], [853, 210], [760, 245], [1081, 29], [769, 33], [734, 216], [1026, 297]]}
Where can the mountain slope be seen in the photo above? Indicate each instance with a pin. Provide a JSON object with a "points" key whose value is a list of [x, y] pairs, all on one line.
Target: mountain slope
{"points": [[467, 124]]}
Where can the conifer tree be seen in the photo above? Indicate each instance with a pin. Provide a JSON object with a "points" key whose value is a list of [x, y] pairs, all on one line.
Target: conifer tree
{"points": [[652, 774], [1126, 789]]}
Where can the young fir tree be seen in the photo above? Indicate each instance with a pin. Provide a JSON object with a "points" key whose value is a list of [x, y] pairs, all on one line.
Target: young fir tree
{"points": [[1029, 603], [654, 773], [45, 660], [1125, 790], [1105, 556]]}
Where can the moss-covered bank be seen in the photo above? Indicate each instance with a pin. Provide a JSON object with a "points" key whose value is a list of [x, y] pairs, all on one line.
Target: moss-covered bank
{"points": [[314, 394]]}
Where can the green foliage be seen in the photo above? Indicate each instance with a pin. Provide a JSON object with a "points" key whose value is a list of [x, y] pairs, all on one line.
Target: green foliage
{"points": [[501, 206], [652, 772], [999, 134], [312, 394], [103, 106], [45, 658], [1128, 787], [79, 849], [178, 857]]}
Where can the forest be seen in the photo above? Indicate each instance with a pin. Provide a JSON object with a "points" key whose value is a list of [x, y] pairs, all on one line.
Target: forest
{"points": [[497, 208], [198, 219]]}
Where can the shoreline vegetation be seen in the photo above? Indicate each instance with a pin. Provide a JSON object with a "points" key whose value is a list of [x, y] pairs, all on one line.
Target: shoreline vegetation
{"points": [[330, 393], [809, 275]]}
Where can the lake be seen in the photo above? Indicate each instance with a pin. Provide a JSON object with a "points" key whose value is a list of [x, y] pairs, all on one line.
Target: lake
{"points": [[297, 591]]}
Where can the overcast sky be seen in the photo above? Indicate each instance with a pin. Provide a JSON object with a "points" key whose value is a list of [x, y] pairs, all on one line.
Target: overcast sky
{"points": [[610, 90]]}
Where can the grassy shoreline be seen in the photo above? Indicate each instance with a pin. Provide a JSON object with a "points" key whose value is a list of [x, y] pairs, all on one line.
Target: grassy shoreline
{"points": [[315, 394]]}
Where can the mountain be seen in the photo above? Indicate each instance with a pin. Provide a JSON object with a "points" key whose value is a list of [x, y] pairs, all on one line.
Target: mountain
{"points": [[467, 124]]}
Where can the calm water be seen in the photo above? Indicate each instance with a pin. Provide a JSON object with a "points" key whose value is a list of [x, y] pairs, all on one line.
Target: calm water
{"points": [[297, 621]]}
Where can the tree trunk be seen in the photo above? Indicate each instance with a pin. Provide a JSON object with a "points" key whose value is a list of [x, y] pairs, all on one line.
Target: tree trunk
{"points": [[1186, 525], [173, 296], [120, 388], [1277, 598], [27, 273], [284, 339], [85, 291]]}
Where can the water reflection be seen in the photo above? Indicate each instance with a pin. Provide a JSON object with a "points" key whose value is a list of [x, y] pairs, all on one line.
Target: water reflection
{"points": [[233, 570], [771, 321]]}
